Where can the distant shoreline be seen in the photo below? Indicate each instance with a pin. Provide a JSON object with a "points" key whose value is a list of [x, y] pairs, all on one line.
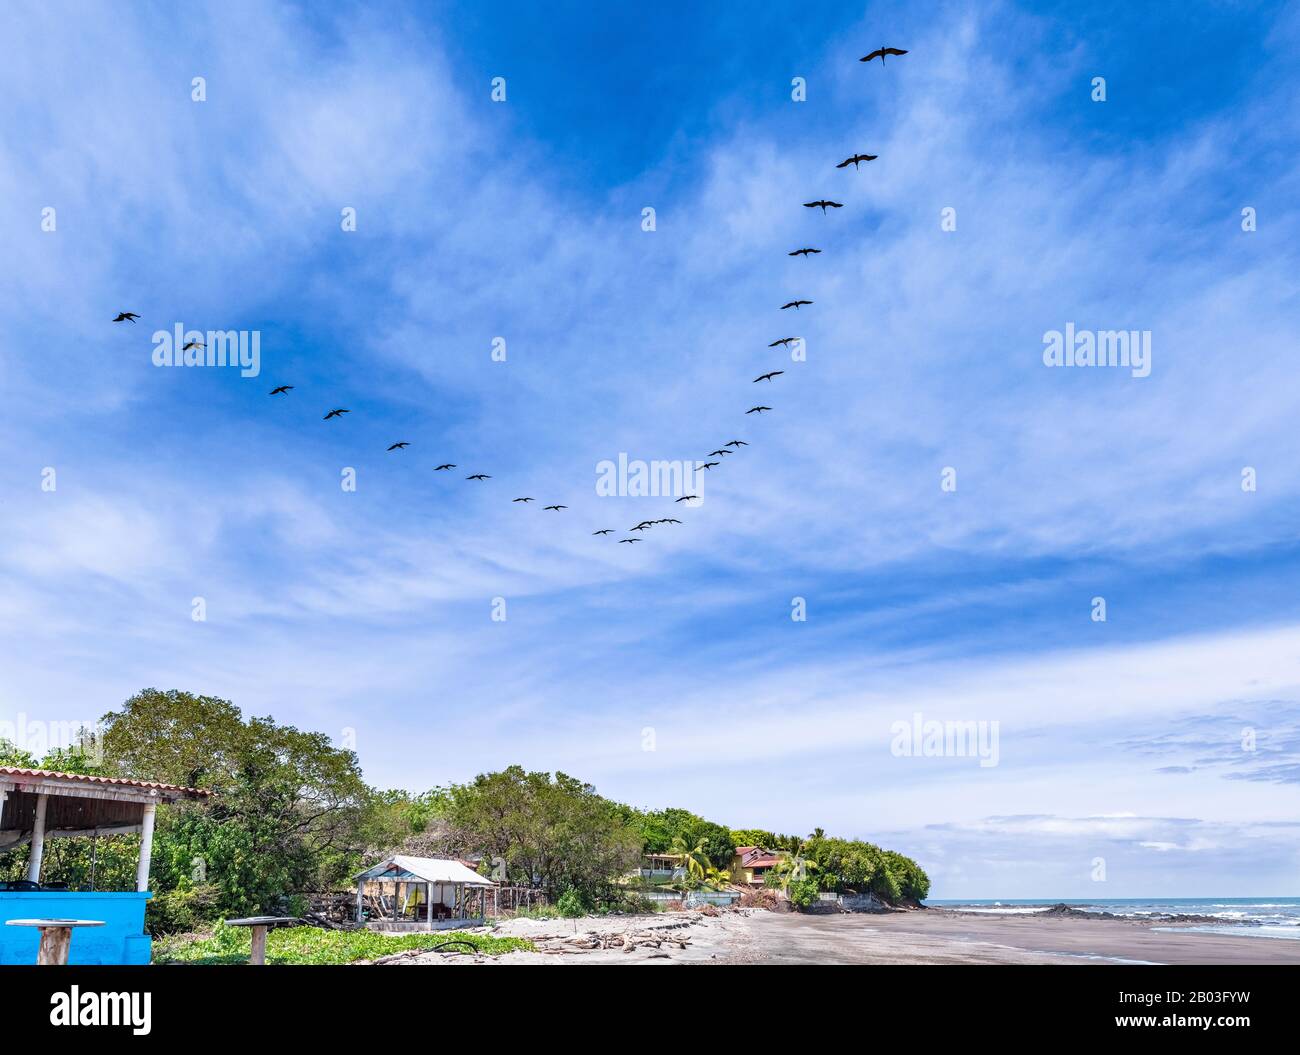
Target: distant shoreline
{"points": [[1270, 918]]}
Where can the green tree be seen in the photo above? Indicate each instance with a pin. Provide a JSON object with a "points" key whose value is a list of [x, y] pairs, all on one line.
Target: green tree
{"points": [[766, 839], [660, 827], [286, 815], [552, 832]]}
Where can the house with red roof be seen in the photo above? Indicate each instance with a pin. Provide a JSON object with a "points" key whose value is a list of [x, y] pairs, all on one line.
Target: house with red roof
{"points": [[751, 865]]}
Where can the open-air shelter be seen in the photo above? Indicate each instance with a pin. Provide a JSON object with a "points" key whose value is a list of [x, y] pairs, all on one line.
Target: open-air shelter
{"points": [[419, 893], [40, 804]]}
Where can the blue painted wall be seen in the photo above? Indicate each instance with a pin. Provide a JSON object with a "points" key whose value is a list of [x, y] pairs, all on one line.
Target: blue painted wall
{"points": [[121, 940]]}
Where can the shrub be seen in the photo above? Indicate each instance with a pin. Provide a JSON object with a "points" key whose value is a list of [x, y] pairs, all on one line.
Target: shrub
{"points": [[535, 912], [571, 904], [177, 911], [802, 892], [631, 903]]}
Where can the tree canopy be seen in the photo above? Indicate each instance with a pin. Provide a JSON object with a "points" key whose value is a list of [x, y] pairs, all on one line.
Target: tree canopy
{"points": [[658, 829], [291, 813], [552, 832]]}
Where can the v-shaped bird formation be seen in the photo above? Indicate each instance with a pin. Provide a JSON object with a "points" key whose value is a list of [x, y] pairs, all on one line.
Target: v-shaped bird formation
{"points": [[728, 448]]}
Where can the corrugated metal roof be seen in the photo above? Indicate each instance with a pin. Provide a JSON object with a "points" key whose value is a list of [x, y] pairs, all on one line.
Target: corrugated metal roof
{"points": [[43, 774], [428, 869]]}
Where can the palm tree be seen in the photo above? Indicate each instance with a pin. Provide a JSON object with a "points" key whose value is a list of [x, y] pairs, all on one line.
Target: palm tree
{"points": [[793, 865], [693, 860]]}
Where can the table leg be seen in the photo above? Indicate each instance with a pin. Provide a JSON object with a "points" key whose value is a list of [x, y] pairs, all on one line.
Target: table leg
{"points": [[54, 945], [258, 953]]}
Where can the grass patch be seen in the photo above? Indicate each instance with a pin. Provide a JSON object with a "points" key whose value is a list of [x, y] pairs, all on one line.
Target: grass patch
{"points": [[312, 945]]}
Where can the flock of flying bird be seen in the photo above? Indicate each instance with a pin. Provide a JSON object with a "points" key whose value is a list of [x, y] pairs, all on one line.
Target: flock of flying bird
{"points": [[728, 448]]}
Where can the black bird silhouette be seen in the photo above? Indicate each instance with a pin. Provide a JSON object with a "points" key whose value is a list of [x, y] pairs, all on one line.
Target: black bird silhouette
{"points": [[823, 204], [400, 446], [280, 390], [479, 476], [193, 344], [880, 53], [855, 159], [687, 498], [757, 410], [669, 520], [714, 454], [768, 376], [795, 304], [556, 508], [643, 525], [126, 316], [521, 499], [604, 531], [707, 465], [736, 443], [783, 340], [622, 540], [336, 413], [803, 252], [440, 468]]}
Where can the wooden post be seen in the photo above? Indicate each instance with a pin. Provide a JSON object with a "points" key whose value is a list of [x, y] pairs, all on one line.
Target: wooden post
{"points": [[54, 945], [257, 953], [38, 840], [146, 847]]}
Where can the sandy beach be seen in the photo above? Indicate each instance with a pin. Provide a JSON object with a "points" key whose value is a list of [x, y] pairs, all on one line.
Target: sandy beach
{"points": [[931, 936], [936, 936]]}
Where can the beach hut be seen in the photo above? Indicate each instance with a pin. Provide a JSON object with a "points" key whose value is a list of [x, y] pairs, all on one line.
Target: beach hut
{"points": [[404, 893], [40, 804]]}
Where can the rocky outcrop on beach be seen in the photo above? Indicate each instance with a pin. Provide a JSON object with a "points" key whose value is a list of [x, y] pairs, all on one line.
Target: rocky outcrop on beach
{"points": [[1061, 909], [1064, 911]]}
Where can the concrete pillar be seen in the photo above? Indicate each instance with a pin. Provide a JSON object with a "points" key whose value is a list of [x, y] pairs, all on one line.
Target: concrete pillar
{"points": [[38, 840], [146, 847], [361, 898], [428, 903]]}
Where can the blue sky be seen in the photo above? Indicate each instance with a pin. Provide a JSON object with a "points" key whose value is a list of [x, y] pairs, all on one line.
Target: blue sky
{"points": [[367, 614]]}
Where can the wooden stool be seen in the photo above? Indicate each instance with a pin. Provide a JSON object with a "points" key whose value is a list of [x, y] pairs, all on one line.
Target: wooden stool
{"points": [[56, 936], [257, 954]]}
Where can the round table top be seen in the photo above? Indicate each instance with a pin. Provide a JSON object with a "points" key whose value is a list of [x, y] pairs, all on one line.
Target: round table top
{"points": [[54, 923], [261, 921]]}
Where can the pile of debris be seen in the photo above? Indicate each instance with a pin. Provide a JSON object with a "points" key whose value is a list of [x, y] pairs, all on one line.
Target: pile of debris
{"points": [[648, 937]]}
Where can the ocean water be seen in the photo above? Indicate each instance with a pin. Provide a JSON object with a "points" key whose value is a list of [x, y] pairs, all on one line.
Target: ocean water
{"points": [[1256, 917]]}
